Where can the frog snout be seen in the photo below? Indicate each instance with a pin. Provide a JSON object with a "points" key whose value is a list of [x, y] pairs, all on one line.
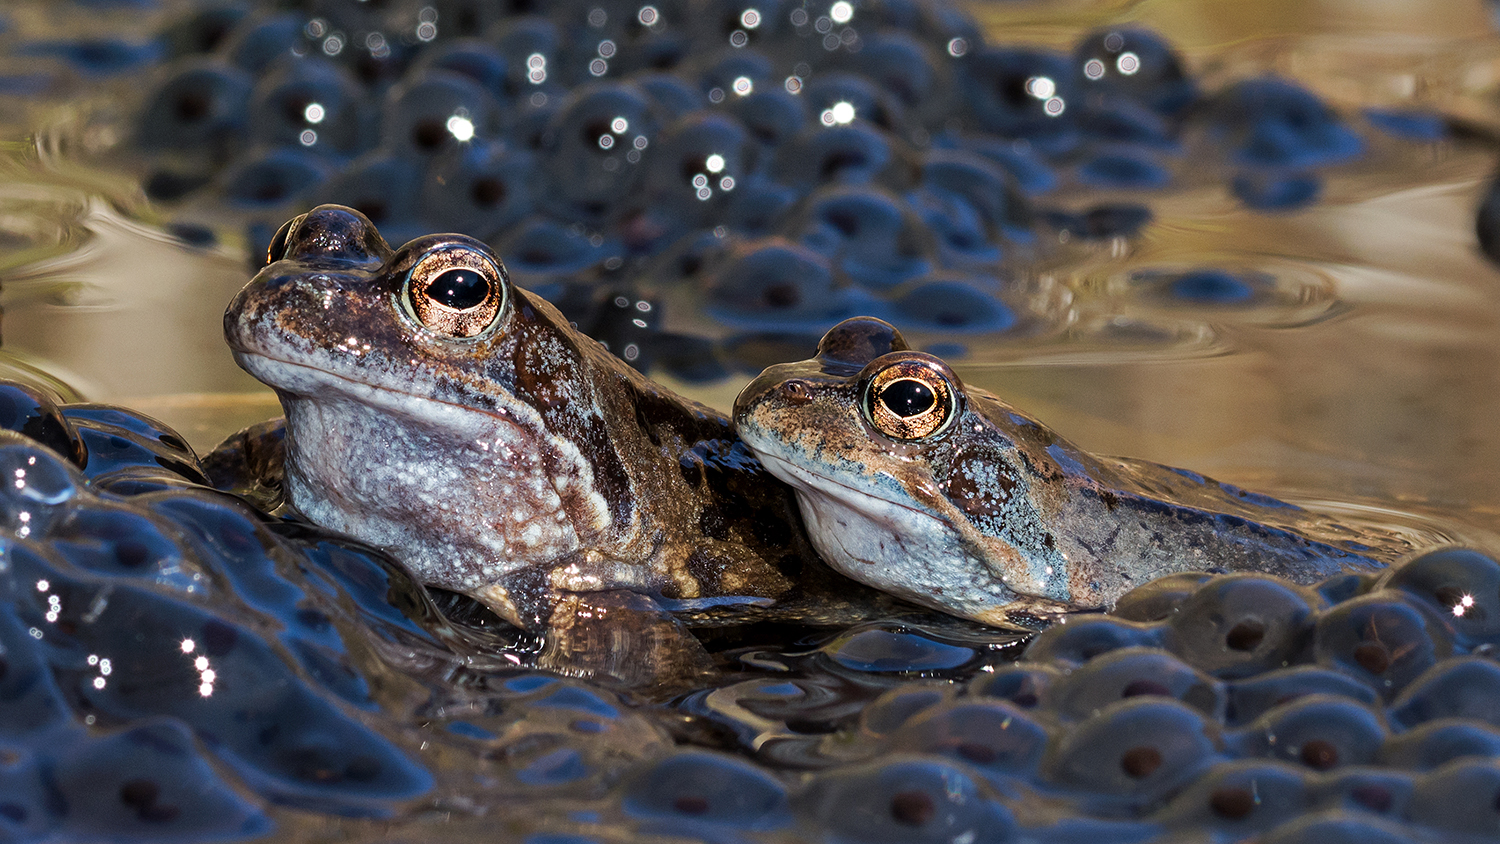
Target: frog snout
{"points": [[751, 396]]}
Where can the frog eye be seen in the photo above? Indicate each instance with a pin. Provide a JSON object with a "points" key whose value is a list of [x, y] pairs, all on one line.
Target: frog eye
{"points": [[457, 291], [915, 397], [277, 250]]}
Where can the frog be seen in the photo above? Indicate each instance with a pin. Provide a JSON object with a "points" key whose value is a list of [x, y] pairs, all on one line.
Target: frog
{"points": [[945, 495], [441, 413]]}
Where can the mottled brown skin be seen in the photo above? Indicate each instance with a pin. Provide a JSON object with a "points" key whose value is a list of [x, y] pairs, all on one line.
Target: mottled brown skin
{"points": [[993, 516], [523, 466]]}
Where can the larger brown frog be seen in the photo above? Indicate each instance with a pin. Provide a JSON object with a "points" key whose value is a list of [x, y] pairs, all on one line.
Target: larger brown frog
{"points": [[438, 411]]}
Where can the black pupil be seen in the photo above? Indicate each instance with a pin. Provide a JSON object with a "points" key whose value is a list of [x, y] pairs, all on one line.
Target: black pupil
{"points": [[907, 397], [459, 288]]}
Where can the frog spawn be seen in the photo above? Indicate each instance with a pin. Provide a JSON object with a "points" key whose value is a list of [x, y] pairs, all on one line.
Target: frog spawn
{"points": [[585, 119], [199, 590], [178, 667], [1229, 706]]}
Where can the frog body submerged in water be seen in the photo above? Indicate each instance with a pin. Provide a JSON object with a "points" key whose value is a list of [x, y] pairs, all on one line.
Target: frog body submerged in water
{"points": [[437, 411], [951, 498]]}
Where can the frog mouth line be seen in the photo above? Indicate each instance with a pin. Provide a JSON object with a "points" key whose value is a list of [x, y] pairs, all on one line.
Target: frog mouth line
{"points": [[255, 364], [808, 478]]}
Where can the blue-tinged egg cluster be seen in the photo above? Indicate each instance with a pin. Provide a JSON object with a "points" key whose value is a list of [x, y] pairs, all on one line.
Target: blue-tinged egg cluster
{"points": [[1278, 134], [867, 155], [1224, 708], [177, 666]]}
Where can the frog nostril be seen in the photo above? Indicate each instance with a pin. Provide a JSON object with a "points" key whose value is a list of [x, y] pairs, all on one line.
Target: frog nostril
{"points": [[796, 392]]}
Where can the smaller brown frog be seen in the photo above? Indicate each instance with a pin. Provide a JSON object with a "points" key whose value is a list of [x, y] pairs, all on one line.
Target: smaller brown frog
{"points": [[949, 497]]}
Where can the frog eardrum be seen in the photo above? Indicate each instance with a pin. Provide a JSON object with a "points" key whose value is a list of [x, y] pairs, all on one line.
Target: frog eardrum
{"points": [[910, 396], [455, 289]]}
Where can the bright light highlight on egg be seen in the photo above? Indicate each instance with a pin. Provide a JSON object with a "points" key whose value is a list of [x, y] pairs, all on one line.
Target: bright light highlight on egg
{"points": [[461, 127], [1041, 87], [838, 114]]}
